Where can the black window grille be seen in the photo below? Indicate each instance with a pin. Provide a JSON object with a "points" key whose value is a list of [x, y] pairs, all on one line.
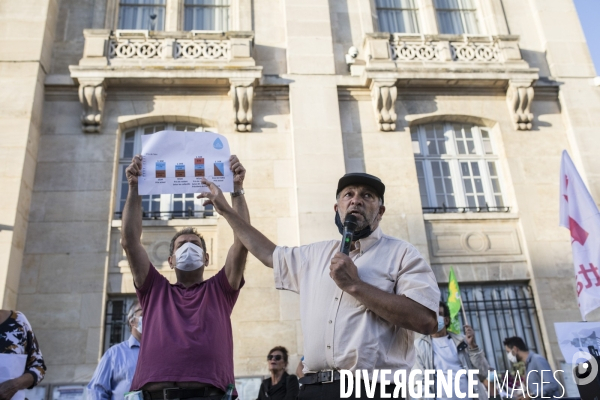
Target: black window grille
{"points": [[116, 327], [499, 311]]}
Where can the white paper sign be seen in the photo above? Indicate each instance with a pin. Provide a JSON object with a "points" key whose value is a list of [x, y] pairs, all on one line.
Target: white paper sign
{"points": [[175, 162], [576, 337], [13, 366], [68, 392]]}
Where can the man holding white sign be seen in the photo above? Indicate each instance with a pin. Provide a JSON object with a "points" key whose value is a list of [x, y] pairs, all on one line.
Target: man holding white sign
{"points": [[187, 346]]}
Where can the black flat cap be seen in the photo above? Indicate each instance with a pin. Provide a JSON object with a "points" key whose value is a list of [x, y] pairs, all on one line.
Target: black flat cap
{"points": [[360, 178]]}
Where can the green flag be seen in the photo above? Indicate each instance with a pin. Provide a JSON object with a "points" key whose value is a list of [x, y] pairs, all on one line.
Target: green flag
{"points": [[453, 302]]}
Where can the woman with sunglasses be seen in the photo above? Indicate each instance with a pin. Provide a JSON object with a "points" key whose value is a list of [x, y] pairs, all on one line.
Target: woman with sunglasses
{"points": [[281, 385]]}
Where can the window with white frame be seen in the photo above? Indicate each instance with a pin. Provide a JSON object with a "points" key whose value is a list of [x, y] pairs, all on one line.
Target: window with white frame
{"points": [[457, 17], [142, 14], [206, 15], [457, 168], [164, 206], [116, 324], [398, 16]]}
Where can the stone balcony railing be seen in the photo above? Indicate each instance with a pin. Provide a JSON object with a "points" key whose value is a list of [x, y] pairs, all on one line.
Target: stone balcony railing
{"points": [[499, 52], [168, 49], [396, 60], [462, 48], [180, 47], [153, 58]]}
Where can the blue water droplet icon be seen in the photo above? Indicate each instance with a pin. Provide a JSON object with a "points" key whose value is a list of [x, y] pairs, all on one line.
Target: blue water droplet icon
{"points": [[217, 144]]}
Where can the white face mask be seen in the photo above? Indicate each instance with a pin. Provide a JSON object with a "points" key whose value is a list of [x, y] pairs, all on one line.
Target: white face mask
{"points": [[139, 325], [441, 323], [189, 257], [511, 357]]}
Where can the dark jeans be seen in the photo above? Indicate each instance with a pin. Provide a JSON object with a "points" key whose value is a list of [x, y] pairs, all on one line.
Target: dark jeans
{"points": [[331, 391]]}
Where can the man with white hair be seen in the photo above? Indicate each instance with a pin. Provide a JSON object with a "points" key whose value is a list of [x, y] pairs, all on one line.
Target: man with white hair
{"points": [[114, 374]]}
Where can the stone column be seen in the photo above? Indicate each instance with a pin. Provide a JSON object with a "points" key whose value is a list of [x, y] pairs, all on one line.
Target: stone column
{"points": [[315, 116], [25, 45], [173, 15], [563, 58], [368, 16], [428, 18], [494, 21]]}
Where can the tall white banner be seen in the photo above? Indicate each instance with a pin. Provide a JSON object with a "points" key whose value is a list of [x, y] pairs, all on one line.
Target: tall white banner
{"points": [[579, 214]]}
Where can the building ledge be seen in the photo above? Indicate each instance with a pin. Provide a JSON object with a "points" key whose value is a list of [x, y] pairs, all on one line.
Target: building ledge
{"points": [[469, 216], [178, 222]]}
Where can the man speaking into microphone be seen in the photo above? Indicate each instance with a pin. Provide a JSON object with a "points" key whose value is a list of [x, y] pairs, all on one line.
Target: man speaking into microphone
{"points": [[358, 310]]}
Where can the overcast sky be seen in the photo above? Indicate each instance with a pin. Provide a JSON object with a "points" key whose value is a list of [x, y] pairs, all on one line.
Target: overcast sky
{"points": [[589, 15]]}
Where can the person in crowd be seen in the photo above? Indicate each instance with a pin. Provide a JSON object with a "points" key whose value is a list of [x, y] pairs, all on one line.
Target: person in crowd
{"points": [[281, 385], [187, 347], [447, 351], [539, 375], [358, 311], [114, 373], [20, 355]]}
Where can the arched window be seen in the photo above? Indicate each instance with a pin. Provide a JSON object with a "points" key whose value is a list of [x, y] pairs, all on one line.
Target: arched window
{"points": [[398, 16], [457, 168], [457, 17], [206, 15], [142, 14], [165, 206]]}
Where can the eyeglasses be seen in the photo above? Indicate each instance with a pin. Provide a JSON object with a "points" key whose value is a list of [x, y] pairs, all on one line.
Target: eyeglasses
{"points": [[135, 314], [275, 357]]}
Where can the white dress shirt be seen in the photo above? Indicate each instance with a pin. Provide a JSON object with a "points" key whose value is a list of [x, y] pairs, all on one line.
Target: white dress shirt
{"points": [[114, 374], [340, 332]]}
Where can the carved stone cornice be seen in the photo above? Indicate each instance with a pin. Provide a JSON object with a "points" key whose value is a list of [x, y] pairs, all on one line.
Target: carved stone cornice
{"points": [[92, 93], [519, 97], [242, 93], [383, 94]]}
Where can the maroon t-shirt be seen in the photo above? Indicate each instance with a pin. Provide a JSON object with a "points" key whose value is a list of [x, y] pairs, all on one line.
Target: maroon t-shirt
{"points": [[186, 332]]}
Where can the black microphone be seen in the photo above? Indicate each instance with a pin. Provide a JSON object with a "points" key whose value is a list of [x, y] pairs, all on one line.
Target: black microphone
{"points": [[350, 225]]}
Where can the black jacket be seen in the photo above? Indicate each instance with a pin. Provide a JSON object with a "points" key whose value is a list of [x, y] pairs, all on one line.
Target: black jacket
{"points": [[286, 389]]}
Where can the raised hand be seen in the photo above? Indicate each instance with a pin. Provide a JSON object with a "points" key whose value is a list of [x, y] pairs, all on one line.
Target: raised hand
{"points": [[134, 170], [470, 336], [214, 197], [239, 172]]}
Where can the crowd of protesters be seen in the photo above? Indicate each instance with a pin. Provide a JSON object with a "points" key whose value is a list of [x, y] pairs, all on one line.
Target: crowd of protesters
{"points": [[359, 308]]}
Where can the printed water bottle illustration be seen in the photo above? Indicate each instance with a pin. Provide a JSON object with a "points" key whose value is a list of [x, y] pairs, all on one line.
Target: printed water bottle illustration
{"points": [[161, 169], [199, 166], [180, 170]]}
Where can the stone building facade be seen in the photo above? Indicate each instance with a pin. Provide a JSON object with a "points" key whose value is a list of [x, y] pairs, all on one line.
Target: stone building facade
{"points": [[462, 108]]}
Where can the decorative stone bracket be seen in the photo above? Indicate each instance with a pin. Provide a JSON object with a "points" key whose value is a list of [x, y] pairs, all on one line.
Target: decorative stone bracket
{"points": [[519, 97], [242, 93], [383, 94], [92, 93]]}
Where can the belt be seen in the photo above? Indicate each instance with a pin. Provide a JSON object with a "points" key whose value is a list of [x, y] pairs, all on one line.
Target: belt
{"points": [[327, 376], [179, 393]]}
